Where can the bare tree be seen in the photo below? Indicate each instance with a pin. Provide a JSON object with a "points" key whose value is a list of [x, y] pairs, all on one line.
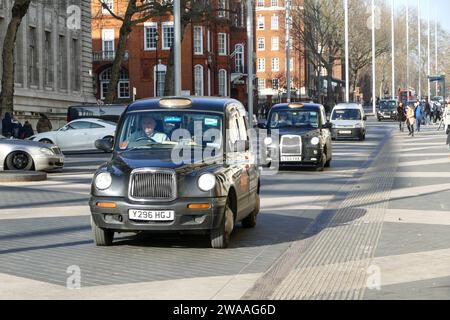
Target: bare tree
{"points": [[19, 10]]}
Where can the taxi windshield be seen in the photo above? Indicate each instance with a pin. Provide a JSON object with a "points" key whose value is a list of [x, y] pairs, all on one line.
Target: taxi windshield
{"points": [[388, 105], [346, 114], [169, 129], [294, 119]]}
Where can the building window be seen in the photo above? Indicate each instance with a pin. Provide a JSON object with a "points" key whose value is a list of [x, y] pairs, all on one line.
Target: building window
{"points": [[275, 64], [222, 6], [62, 62], [261, 84], [275, 44], [222, 38], [223, 91], [198, 40], [76, 83], [123, 86], [48, 59], [261, 64], [261, 23], [109, 4], [33, 71], [108, 44], [274, 22], [150, 32], [239, 58], [160, 76], [260, 4], [274, 3], [275, 84], [261, 44], [167, 29], [198, 80]]}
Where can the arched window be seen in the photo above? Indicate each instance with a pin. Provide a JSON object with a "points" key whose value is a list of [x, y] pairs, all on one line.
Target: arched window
{"points": [[223, 90], [160, 79], [198, 80], [123, 86], [239, 58]]}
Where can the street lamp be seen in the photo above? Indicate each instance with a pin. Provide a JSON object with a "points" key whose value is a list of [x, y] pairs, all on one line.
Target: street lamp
{"points": [[157, 63]]}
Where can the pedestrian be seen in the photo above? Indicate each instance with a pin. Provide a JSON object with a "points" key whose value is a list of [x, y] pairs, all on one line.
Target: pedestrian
{"points": [[410, 119], [7, 126], [427, 112], [401, 117], [44, 124], [27, 131], [418, 113]]}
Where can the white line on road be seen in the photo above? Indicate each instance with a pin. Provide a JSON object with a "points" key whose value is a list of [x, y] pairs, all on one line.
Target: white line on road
{"points": [[44, 212]]}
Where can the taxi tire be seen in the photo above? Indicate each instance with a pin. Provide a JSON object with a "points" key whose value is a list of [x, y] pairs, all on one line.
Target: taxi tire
{"points": [[102, 237], [220, 237], [250, 221]]}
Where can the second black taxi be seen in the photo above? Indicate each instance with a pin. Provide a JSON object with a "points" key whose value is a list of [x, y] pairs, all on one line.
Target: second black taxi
{"points": [[303, 135]]}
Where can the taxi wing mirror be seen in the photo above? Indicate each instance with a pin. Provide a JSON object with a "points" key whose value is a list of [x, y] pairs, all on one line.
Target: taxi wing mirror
{"points": [[327, 125], [365, 118], [104, 145], [262, 125]]}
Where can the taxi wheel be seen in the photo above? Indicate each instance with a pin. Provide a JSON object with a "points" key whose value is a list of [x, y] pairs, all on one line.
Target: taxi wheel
{"points": [[102, 237], [250, 220], [220, 238]]}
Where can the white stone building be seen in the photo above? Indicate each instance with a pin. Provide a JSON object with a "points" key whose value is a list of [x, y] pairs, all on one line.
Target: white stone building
{"points": [[53, 58]]}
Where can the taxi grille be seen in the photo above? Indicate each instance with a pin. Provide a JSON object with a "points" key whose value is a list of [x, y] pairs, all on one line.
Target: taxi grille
{"points": [[148, 184], [291, 145]]}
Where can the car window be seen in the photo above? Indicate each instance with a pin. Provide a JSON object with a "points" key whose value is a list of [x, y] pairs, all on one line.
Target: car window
{"points": [[294, 119], [80, 125], [96, 126], [346, 114]]}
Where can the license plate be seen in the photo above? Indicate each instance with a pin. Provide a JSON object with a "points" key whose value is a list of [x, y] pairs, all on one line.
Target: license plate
{"points": [[151, 215], [291, 159], [345, 132]]}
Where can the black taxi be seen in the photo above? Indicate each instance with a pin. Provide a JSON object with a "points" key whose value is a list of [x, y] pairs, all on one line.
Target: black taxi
{"points": [[299, 135], [178, 165]]}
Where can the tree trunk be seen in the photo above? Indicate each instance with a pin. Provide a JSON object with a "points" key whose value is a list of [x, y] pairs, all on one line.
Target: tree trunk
{"points": [[125, 30], [330, 93], [19, 10]]}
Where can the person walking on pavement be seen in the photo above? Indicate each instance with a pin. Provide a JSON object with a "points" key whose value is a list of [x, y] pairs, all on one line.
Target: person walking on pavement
{"points": [[401, 117], [44, 124], [410, 119], [16, 128], [427, 112], [419, 115], [7, 126], [27, 131]]}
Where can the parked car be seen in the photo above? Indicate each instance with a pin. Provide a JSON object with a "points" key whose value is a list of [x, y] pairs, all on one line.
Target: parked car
{"points": [[78, 135], [304, 135], [146, 188], [348, 122], [109, 112], [29, 155], [387, 110]]}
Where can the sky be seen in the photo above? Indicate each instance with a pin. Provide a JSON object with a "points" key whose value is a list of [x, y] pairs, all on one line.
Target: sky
{"points": [[441, 8]]}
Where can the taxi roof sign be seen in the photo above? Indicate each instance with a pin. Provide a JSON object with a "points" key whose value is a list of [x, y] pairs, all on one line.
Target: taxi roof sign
{"points": [[296, 105], [175, 103]]}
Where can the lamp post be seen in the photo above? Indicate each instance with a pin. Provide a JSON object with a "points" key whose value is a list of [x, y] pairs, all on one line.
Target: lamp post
{"points": [[393, 48], [177, 45], [156, 65], [347, 80]]}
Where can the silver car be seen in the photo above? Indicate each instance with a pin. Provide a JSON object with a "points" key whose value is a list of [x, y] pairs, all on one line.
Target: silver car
{"points": [[29, 155]]}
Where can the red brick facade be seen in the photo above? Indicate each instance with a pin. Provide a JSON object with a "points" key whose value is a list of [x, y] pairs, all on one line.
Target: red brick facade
{"points": [[216, 67]]}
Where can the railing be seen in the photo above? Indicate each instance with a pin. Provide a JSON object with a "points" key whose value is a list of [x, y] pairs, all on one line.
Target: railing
{"points": [[100, 56]]}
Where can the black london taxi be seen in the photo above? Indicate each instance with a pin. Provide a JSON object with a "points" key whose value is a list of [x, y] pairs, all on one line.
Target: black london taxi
{"points": [[303, 135], [387, 110], [178, 165]]}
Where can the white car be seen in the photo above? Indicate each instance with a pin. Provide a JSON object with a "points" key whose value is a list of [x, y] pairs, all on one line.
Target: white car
{"points": [[78, 135], [348, 122]]}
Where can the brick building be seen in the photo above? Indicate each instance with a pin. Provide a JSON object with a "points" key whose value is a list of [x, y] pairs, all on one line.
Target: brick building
{"points": [[213, 53], [271, 63]]}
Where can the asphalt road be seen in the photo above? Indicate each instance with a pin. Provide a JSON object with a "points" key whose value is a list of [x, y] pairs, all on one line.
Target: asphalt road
{"points": [[306, 218]]}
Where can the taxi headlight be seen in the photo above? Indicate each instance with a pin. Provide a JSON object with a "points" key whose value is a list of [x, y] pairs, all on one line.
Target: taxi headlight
{"points": [[46, 151], [268, 141], [207, 182], [103, 181], [315, 141]]}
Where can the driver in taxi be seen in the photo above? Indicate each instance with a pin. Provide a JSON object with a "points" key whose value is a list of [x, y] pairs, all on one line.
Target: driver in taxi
{"points": [[147, 132]]}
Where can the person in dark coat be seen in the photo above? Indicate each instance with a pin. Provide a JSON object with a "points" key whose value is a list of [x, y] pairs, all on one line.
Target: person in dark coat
{"points": [[27, 130], [7, 126], [44, 124]]}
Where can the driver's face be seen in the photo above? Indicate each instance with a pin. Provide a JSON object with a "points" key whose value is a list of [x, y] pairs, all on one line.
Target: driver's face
{"points": [[148, 125]]}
